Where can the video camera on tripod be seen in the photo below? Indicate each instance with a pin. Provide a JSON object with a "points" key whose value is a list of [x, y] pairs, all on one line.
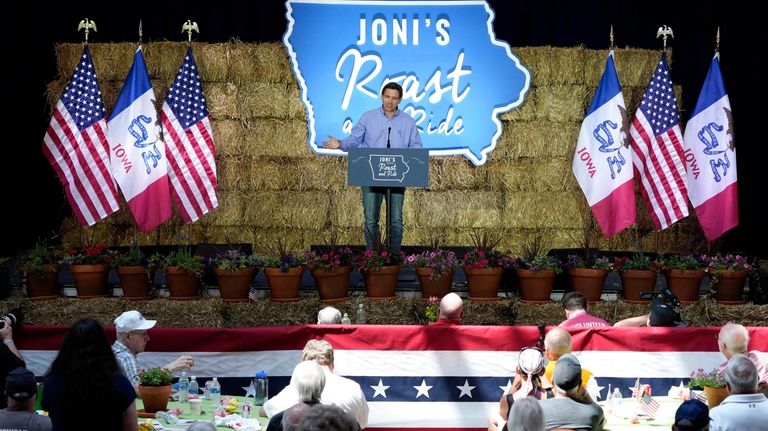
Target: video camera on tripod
{"points": [[665, 295], [665, 308]]}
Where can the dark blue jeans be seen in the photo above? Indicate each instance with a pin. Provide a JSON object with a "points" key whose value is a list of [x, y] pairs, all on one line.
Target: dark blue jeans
{"points": [[372, 198]]}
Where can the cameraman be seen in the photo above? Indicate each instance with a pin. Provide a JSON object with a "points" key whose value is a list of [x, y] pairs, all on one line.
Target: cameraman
{"points": [[10, 358], [663, 312]]}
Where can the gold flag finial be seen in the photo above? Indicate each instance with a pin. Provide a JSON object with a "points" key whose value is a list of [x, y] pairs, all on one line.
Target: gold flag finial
{"points": [[611, 37], [87, 25], [190, 26], [664, 31], [717, 40]]}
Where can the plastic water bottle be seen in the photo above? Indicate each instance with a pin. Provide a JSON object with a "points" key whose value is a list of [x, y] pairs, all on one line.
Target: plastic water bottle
{"points": [[609, 401], [360, 314], [616, 399], [183, 387], [167, 417], [194, 388], [261, 388], [215, 391], [345, 319]]}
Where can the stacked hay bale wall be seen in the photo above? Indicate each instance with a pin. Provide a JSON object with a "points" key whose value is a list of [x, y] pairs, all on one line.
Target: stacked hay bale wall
{"points": [[271, 185]]}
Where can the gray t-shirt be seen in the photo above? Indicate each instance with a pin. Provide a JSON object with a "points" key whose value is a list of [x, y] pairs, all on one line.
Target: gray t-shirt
{"points": [[569, 413], [23, 421]]}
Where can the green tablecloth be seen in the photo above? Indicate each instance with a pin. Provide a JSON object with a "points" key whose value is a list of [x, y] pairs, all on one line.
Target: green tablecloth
{"points": [[619, 419], [206, 416]]}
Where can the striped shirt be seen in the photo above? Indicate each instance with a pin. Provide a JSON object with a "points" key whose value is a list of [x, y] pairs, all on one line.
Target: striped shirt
{"points": [[127, 361], [374, 128]]}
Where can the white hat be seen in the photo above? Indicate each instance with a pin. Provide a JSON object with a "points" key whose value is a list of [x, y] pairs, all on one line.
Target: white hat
{"points": [[133, 321]]}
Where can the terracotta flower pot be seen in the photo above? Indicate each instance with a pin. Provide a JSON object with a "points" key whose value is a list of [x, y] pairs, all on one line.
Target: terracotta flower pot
{"points": [[636, 281], [730, 286], [685, 283], [284, 286], [154, 398], [234, 284], [135, 281], [90, 280], [715, 396], [437, 287], [381, 283], [588, 281], [183, 285], [483, 283], [43, 285], [332, 285], [536, 286]]}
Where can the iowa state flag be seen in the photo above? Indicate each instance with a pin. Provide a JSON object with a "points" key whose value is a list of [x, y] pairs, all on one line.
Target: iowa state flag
{"points": [[602, 162], [137, 150], [711, 156]]}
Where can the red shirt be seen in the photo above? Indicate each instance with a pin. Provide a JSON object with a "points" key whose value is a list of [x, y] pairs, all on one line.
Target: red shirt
{"points": [[584, 321]]}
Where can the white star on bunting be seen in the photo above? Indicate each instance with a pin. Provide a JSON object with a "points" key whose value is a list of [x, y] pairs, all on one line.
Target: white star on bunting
{"points": [[466, 389], [250, 390], [380, 389], [505, 389], [423, 389]]}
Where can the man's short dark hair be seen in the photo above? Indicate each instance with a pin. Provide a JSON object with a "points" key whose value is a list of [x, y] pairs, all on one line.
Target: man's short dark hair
{"points": [[393, 86], [574, 301], [323, 417]]}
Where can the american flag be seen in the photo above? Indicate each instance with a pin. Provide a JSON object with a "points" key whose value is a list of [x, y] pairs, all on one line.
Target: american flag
{"points": [[648, 405], [76, 146], [657, 148], [189, 141]]}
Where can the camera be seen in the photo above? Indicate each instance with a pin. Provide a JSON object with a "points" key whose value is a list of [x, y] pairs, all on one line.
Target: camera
{"points": [[665, 295], [14, 316]]}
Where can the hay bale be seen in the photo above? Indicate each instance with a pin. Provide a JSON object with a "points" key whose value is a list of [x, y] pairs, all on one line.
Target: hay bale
{"points": [[635, 66], [264, 62], [183, 314], [223, 101], [452, 209], [296, 108], [229, 169], [321, 173], [537, 139], [456, 173], [218, 234], [547, 174], [286, 209], [65, 311], [230, 210], [276, 137], [562, 103], [346, 209], [264, 99], [525, 112], [164, 59], [524, 209], [553, 66], [227, 138], [296, 240], [212, 61]]}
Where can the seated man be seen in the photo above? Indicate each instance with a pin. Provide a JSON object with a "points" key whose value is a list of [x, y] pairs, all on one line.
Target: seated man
{"points": [[308, 380], [328, 316], [450, 311], [661, 314], [568, 409], [131, 339], [745, 409], [692, 415], [20, 394], [575, 304], [339, 391], [733, 339], [556, 344]]}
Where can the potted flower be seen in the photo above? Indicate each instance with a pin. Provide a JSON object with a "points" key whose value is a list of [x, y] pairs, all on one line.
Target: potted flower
{"points": [[136, 272], [155, 388], [588, 275], [40, 267], [234, 272], [727, 276], [284, 270], [89, 266], [713, 383], [432, 310], [435, 269], [183, 273], [638, 275], [536, 275], [684, 273], [380, 267], [484, 267], [330, 266]]}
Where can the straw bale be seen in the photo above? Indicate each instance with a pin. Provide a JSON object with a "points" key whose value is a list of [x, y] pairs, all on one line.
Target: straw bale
{"points": [[212, 61], [54, 90], [183, 314], [459, 209], [553, 66], [164, 59], [346, 208], [513, 241], [296, 240], [222, 100], [635, 66], [264, 62], [308, 210], [73, 235], [263, 99], [65, 311], [456, 173], [67, 58], [271, 313], [562, 103], [110, 60], [540, 174], [218, 234], [229, 170], [525, 112], [230, 210], [227, 138], [293, 173], [296, 108], [531, 209], [276, 137], [594, 65], [538, 139]]}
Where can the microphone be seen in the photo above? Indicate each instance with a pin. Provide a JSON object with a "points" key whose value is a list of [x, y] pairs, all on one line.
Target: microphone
{"points": [[389, 130]]}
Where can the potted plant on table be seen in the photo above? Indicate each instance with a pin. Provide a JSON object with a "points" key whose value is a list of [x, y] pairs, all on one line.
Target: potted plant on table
{"points": [[684, 273], [136, 272], [234, 272], [330, 266], [183, 273], [588, 275], [89, 266], [435, 269], [155, 388], [284, 270], [380, 267], [727, 276], [638, 275], [40, 268], [484, 267], [713, 384]]}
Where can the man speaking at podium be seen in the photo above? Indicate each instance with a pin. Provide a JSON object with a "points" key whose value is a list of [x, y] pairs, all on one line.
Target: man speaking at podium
{"points": [[384, 127]]}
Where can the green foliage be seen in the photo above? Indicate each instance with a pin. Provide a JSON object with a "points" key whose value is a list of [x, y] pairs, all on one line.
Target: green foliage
{"points": [[155, 377], [39, 259], [703, 379], [235, 259], [184, 259]]}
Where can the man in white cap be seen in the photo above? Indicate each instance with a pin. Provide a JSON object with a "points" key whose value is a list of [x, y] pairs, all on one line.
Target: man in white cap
{"points": [[132, 338]]}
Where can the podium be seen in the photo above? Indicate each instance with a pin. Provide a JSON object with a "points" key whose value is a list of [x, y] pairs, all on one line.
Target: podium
{"points": [[388, 167]]}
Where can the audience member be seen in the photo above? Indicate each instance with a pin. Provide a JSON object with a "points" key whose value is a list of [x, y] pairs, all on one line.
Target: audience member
{"points": [[328, 316], [575, 304], [527, 383], [660, 314], [734, 339], [10, 358], [745, 409], [85, 386], [339, 391], [450, 310], [328, 418], [568, 409], [20, 394], [526, 415], [556, 344], [308, 380], [201, 426], [132, 338], [692, 415]]}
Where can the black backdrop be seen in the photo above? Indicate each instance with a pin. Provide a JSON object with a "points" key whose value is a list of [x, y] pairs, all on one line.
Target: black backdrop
{"points": [[36, 212]]}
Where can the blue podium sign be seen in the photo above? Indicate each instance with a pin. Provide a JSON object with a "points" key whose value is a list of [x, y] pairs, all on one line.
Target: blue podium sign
{"points": [[388, 167]]}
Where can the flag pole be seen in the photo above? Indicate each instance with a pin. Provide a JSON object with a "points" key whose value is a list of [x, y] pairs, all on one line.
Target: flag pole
{"points": [[88, 25], [717, 40], [611, 37], [189, 26], [140, 33]]}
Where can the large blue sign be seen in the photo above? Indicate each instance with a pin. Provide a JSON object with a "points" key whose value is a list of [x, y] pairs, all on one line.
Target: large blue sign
{"points": [[456, 76]]}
